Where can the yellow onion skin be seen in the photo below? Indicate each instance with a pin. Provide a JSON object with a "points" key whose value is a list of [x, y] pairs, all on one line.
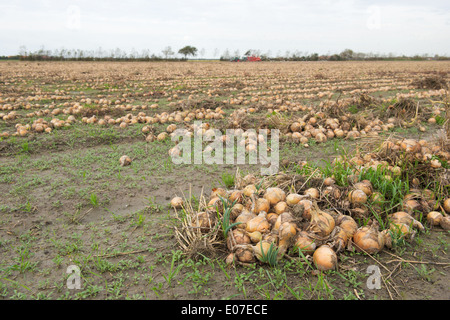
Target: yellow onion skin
{"points": [[237, 237], [434, 218], [243, 218], [293, 199], [284, 217], [286, 233], [261, 204], [216, 192], [406, 218], [369, 239], [445, 223], [177, 202], [357, 197], [262, 248], [348, 224], [325, 258], [446, 205], [245, 254], [274, 195], [322, 223], [307, 205], [280, 207], [304, 243], [258, 223]]}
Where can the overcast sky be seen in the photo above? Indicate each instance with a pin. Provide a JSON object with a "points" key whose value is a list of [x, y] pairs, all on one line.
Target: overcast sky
{"points": [[322, 26]]}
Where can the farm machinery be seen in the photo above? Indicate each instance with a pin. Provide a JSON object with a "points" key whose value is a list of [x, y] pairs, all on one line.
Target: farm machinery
{"points": [[246, 59]]}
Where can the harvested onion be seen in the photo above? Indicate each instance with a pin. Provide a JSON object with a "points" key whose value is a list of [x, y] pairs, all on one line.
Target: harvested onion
{"points": [[261, 204], [177, 202], [125, 160], [369, 239], [322, 223], [434, 218], [258, 223], [286, 233], [404, 217], [348, 224], [274, 195], [325, 258], [305, 243], [293, 198], [237, 237], [357, 196]]}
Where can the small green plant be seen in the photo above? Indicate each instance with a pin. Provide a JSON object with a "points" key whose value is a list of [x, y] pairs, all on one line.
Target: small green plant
{"points": [[25, 147], [225, 219], [271, 257], [353, 109], [440, 120], [228, 179], [94, 200]]}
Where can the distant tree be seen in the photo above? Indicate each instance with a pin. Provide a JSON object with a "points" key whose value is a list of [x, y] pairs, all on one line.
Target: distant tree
{"points": [[188, 51], [167, 52], [347, 54]]}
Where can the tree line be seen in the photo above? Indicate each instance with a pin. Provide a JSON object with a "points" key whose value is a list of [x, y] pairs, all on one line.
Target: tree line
{"points": [[168, 54]]}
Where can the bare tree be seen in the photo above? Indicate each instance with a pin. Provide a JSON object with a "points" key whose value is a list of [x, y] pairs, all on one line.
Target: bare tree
{"points": [[167, 52]]}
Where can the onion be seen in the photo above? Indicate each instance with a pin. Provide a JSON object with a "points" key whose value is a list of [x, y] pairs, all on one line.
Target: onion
{"points": [[204, 220], [249, 190], [411, 205], [236, 210], [255, 236], [446, 205], [313, 193], [125, 160], [445, 223], [261, 204], [282, 218], [365, 187], [237, 237], [322, 223], [401, 229], [304, 243], [177, 202], [329, 181], [293, 198], [272, 218], [369, 239], [357, 197], [348, 224], [230, 259], [243, 218], [340, 238], [245, 254], [403, 217], [286, 233], [261, 249], [258, 223], [280, 207], [218, 192], [307, 205], [325, 258], [215, 204], [236, 196], [274, 195]]}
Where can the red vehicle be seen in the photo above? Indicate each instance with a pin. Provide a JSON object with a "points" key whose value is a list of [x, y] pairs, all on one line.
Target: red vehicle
{"points": [[245, 59]]}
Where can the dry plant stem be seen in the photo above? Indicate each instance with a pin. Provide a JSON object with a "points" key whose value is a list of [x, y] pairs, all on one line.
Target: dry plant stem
{"points": [[119, 254]]}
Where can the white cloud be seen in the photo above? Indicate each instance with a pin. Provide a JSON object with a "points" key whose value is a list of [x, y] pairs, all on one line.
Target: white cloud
{"points": [[314, 26]]}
